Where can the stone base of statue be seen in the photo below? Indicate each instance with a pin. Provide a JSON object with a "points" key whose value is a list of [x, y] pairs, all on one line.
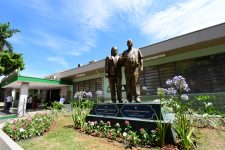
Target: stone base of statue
{"points": [[139, 115]]}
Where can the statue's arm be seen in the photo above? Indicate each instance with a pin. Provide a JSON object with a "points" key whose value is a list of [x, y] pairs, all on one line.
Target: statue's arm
{"points": [[122, 59], [107, 67], [140, 60], [120, 62]]}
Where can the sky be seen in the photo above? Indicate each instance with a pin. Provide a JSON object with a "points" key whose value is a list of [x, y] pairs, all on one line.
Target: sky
{"points": [[57, 35]]}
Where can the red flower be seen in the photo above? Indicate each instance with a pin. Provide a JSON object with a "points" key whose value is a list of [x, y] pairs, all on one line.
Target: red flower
{"points": [[141, 129], [24, 126], [14, 127], [127, 123]]}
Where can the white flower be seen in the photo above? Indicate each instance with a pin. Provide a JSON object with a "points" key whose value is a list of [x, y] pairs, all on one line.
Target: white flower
{"points": [[117, 125], [22, 130], [184, 97], [99, 93], [208, 104], [10, 121], [92, 123], [89, 94], [124, 134]]}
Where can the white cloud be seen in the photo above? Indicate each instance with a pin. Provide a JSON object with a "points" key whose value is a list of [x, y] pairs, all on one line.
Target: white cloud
{"points": [[183, 18], [88, 17], [57, 44], [59, 60]]}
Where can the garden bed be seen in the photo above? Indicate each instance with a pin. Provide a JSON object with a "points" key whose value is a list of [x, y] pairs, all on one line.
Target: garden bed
{"points": [[62, 135]]}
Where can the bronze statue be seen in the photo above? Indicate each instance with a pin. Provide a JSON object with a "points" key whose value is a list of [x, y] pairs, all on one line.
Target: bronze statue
{"points": [[113, 73], [132, 60]]}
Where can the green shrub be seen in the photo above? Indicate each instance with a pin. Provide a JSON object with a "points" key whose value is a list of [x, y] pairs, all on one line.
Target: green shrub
{"points": [[57, 106]]}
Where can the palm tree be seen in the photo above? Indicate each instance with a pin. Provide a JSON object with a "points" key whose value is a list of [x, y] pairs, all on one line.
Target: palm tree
{"points": [[6, 32]]}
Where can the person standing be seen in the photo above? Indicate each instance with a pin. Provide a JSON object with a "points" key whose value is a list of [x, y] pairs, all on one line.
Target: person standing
{"points": [[132, 60], [9, 100], [114, 74], [29, 102], [62, 100]]}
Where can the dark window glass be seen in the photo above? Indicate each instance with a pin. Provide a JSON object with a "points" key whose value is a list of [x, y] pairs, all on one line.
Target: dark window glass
{"points": [[203, 74]]}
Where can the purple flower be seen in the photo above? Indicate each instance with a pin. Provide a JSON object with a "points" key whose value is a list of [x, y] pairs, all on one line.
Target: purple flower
{"points": [[171, 91], [169, 82]]}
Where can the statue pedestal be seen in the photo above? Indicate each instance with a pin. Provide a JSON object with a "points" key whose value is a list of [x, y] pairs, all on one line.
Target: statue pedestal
{"points": [[140, 115]]}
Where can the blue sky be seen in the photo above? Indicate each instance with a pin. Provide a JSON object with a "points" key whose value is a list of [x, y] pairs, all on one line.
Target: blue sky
{"points": [[57, 35]]}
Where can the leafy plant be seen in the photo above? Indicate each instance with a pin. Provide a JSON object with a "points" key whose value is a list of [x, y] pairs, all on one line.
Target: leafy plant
{"points": [[162, 128], [79, 116], [184, 131], [57, 106], [208, 106]]}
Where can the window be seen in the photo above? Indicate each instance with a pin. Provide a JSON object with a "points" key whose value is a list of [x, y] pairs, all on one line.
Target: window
{"points": [[203, 74], [88, 85]]}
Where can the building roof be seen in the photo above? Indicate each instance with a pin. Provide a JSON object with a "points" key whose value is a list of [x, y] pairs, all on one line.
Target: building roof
{"points": [[34, 83], [195, 40]]}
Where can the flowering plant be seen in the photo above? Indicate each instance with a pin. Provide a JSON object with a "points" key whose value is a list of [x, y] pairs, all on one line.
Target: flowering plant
{"points": [[145, 90], [173, 97], [147, 138], [25, 128], [175, 93], [99, 94], [127, 134]]}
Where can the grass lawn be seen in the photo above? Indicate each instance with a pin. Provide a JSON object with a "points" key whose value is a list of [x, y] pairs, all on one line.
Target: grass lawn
{"points": [[62, 136]]}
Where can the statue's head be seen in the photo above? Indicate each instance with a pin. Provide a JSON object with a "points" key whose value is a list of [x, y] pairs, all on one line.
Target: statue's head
{"points": [[129, 43], [114, 51]]}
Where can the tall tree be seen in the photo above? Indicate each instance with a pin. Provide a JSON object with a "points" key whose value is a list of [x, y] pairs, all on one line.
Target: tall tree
{"points": [[9, 60], [5, 33]]}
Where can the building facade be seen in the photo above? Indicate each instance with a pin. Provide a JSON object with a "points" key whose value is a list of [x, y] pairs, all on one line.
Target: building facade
{"points": [[198, 56]]}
